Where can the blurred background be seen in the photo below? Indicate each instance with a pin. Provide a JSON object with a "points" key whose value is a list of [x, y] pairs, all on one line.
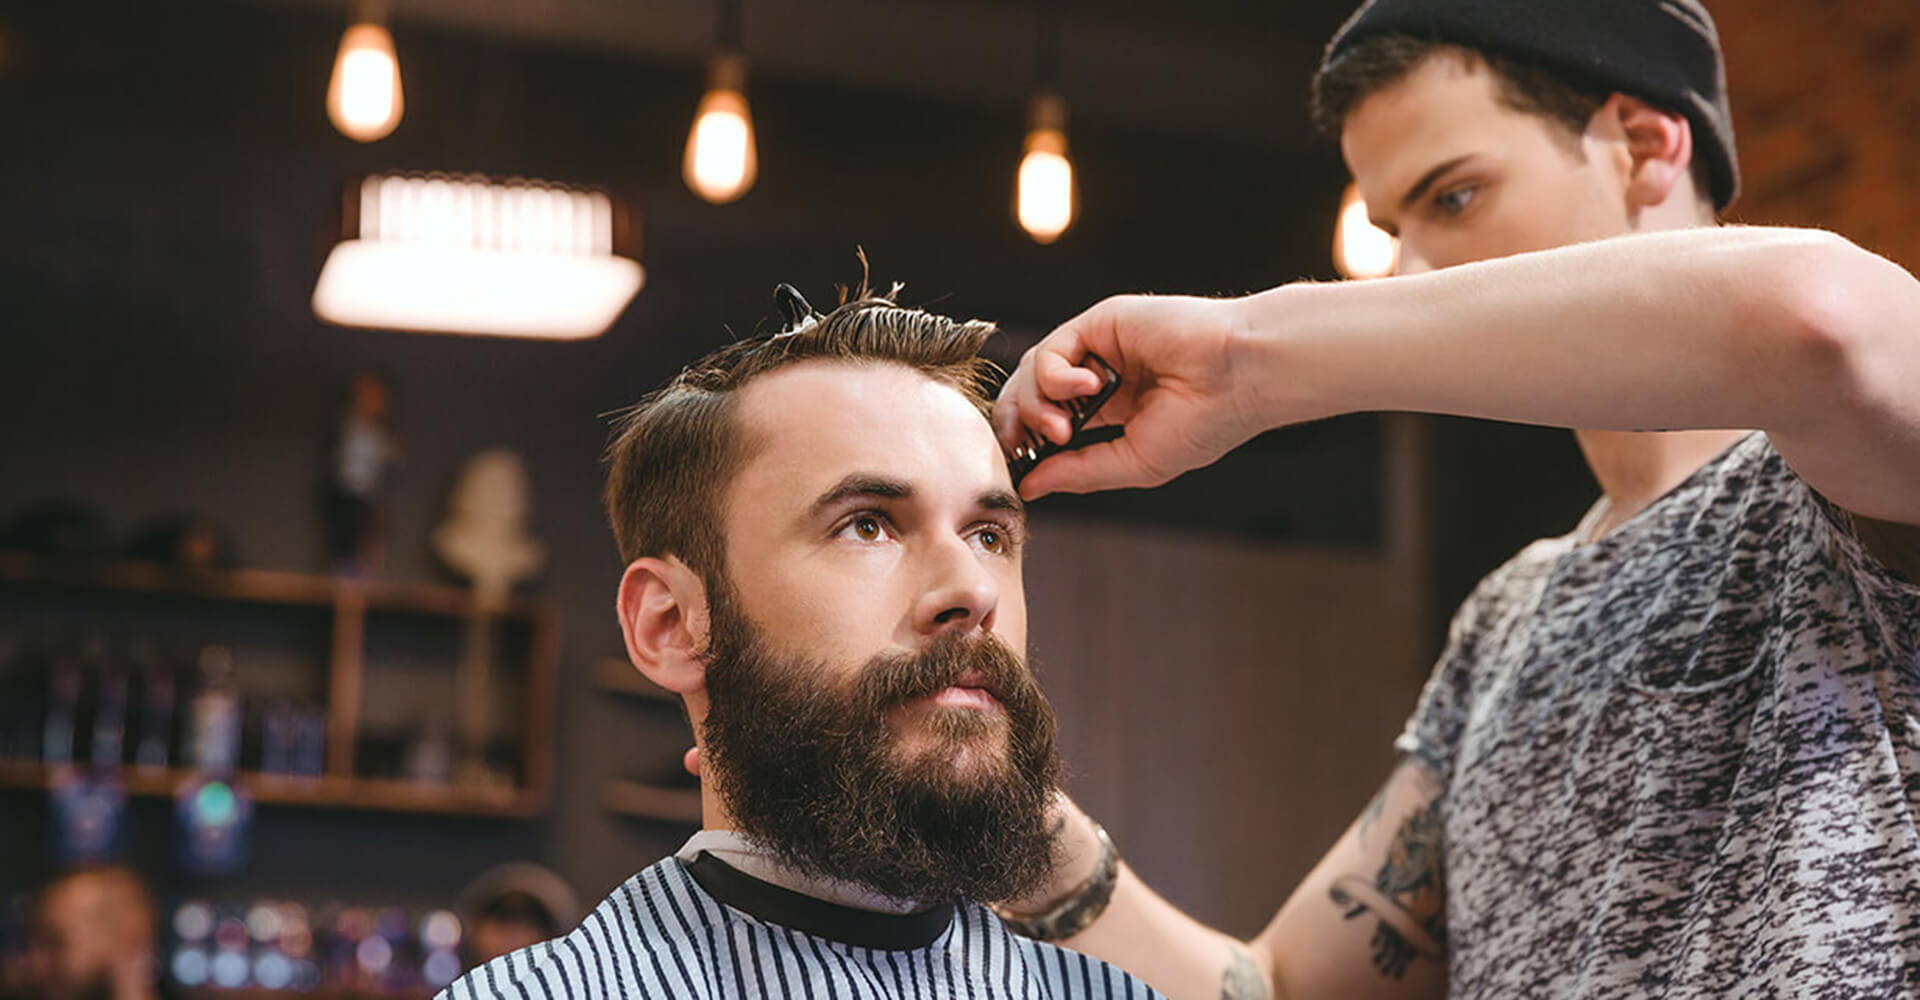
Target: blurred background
{"points": [[244, 649]]}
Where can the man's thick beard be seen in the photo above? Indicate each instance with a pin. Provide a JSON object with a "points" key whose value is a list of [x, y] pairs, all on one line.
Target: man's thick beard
{"points": [[811, 768]]}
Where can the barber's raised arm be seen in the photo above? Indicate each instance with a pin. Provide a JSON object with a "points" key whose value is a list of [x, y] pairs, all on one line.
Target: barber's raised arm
{"points": [[1795, 332], [1367, 922]]}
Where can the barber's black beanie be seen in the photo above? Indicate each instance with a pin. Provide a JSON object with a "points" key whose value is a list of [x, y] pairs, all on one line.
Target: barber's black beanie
{"points": [[1665, 52]]}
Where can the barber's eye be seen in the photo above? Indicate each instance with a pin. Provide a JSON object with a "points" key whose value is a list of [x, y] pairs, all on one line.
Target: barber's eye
{"points": [[867, 528], [1455, 201]]}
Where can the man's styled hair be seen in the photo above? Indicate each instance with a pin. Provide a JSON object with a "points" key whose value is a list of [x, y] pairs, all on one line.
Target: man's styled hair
{"points": [[675, 452]]}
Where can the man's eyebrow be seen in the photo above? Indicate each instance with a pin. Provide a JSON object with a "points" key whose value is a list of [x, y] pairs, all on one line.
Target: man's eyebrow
{"points": [[864, 485], [1004, 500], [861, 484]]}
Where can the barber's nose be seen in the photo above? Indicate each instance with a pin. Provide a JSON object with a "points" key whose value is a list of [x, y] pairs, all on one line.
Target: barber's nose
{"points": [[961, 595], [1410, 262]]}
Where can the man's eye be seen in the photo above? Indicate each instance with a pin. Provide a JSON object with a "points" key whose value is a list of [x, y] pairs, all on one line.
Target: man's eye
{"points": [[866, 528], [999, 541], [1455, 201]]}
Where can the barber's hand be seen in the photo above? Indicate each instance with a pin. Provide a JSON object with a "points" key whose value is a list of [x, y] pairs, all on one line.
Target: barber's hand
{"points": [[1179, 401]]}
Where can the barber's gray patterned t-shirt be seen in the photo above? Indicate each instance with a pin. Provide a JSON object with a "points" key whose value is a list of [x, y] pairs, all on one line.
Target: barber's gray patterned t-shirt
{"points": [[1684, 761]]}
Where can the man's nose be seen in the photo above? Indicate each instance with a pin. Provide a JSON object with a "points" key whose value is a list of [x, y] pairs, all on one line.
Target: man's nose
{"points": [[961, 593]]}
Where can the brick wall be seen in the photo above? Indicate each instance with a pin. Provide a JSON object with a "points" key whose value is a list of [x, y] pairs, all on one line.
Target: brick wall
{"points": [[1826, 107]]}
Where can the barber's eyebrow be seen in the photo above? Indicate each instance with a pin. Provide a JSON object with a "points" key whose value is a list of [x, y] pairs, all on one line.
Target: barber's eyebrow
{"points": [[860, 484], [1426, 181]]}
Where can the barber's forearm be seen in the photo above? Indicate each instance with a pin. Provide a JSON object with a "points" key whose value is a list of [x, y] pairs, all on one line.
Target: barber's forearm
{"points": [[1174, 953], [1148, 936], [1721, 327]]}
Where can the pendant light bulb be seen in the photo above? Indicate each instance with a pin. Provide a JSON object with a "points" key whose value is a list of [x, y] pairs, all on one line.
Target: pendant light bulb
{"points": [[363, 97], [1044, 199], [1360, 248], [721, 162]]}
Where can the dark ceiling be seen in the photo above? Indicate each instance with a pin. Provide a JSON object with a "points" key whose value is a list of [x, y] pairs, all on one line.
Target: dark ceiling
{"points": [[1218, 68]]}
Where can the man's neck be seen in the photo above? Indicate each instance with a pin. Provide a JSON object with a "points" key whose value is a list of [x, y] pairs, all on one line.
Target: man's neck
{"points": [[748, 856], [1635, 468]]}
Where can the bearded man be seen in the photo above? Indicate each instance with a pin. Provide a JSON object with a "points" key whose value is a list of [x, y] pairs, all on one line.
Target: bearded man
{"points": [[823, 551]]}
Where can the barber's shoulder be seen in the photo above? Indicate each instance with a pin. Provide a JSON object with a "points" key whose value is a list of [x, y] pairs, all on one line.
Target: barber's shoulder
{"points": [[1514, 582]]}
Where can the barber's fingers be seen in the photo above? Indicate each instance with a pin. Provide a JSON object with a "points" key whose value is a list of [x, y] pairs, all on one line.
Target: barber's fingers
{"points": [[1060, 379], [1030, 401], [1049, 374], [1007, 423], [1107, 465]]}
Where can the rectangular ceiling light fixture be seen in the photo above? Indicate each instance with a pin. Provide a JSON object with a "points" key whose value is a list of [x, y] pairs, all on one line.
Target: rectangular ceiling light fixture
{"points": [[442, 253]]}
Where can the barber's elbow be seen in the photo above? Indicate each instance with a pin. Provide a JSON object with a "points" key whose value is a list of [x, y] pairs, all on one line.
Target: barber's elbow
{"points": [[1844, 315], [1259, 974]]}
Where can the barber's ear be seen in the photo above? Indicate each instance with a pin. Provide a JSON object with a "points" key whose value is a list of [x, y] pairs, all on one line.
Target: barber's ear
{"points": [[663, 613], [1659, 145]]}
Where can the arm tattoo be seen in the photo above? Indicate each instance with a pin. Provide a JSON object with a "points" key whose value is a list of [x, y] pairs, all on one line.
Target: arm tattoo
{"points": [[1243, 980], [1406, 897], [1372, 815]]}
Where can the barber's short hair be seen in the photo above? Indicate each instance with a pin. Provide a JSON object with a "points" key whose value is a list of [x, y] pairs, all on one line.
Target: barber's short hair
{"points": [[1374, 64], [675, 452]]}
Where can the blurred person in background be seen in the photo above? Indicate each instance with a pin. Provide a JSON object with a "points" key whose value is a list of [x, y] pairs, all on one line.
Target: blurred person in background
{"points": [[510, 906], [92, 938]]}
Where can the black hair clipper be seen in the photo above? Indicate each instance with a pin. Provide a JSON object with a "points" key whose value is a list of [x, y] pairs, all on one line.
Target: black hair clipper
{"points": [[1035, 449]]}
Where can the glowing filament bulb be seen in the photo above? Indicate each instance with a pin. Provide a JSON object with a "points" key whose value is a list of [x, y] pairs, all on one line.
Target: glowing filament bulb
{"points": [[721, 163], [363, 97], [1044, 202]]}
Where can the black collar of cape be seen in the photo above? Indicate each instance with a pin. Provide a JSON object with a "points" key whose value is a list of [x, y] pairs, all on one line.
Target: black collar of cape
{"points": [[780, 905]]}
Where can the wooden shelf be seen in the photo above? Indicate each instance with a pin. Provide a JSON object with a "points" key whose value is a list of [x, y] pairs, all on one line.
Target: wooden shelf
{"points": [[257, 586], [671, 805], [617, 676], [373, 794], [355, 607]]}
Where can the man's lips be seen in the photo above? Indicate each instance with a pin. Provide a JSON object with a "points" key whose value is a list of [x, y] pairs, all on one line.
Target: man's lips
{"points": [[972, 691]]}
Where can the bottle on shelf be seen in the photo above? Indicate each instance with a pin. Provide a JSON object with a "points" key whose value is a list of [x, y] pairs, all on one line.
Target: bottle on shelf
{"points": [[60, 733], [90, 804], [159, 694], [214, 734], [108, 750], [277, 735], [215, 812]]}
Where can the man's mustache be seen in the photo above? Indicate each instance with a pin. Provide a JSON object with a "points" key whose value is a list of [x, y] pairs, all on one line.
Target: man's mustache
{"points": [[984, 661]]}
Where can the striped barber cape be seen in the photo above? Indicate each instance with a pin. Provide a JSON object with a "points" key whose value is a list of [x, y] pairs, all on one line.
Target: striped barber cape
{"points": [[705, 929]]}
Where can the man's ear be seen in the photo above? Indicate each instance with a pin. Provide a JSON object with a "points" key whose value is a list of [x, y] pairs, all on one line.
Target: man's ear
{"points": [[663, 613], [1659, 146]]}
